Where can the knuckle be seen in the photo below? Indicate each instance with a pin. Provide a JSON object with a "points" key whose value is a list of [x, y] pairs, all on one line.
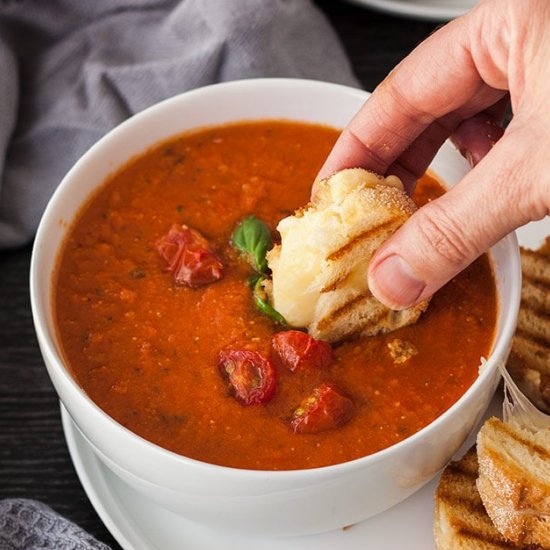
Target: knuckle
{"points": [[406, 101], [442, 235], [522, 187], [373, 157]]}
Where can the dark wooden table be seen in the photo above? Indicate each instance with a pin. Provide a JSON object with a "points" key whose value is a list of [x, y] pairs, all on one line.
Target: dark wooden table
{"points": [[34, 461]]}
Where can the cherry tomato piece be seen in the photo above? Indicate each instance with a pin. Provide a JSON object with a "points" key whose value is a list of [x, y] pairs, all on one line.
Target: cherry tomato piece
{"points": [[189, 257], [325, 409], [298, 350], [251, 376]]}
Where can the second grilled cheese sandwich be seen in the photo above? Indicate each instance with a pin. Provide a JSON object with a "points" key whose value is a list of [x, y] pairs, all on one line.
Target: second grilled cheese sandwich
{"points": [[529, 361]]}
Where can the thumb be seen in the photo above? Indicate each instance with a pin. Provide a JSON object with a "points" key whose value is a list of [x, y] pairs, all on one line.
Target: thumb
{"points": [[442, 238]]}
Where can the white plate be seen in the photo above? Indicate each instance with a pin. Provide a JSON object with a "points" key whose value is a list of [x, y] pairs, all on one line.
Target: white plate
{"points": [[433, 10], [139, 524]]}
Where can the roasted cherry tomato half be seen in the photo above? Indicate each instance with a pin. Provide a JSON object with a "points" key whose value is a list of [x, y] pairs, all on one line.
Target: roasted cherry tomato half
{"points": [[251, 376], [325, 409], [298, 350], [189, 257]]}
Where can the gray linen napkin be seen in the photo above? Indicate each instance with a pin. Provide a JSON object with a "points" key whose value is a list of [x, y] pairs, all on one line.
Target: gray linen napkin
{"points": [[30, 525], [70, 70]]}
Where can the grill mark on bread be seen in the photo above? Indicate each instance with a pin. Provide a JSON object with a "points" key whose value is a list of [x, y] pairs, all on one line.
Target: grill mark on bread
{"points": [[534, 310], [523, 364], [512, 434], [539, 284], [361, 327], [488, 538], [528, 333], [337, 283], [472, 504], [529, 337], [369, 234], [460, 469], [356, 302], [535, 265], [536, 295], [532, 351], [342, 310]]}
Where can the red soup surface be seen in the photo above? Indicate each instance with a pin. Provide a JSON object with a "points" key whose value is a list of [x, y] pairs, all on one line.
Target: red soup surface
{"points": [[146, 350]]}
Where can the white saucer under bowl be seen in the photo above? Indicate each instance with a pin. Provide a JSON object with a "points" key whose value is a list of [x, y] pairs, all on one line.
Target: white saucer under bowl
{"points": [[139, 524]]}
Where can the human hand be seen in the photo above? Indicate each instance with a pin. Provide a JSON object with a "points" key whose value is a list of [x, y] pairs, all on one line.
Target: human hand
{"points": [[456, 83]]}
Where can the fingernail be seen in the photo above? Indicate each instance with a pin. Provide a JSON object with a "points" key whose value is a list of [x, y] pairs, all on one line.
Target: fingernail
{"points": [[395, 283]]}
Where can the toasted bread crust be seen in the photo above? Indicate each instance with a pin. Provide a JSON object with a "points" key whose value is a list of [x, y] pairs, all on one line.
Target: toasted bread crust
{"points": [[514, 481], [461, 522], [529, 361]]}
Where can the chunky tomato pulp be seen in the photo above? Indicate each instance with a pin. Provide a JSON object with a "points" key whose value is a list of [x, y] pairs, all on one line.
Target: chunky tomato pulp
{"points": [[147, 350]]}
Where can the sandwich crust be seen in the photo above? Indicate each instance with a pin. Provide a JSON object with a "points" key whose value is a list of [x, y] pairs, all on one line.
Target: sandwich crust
{"points": [[514, 481], [461, 521], [529, 361]]}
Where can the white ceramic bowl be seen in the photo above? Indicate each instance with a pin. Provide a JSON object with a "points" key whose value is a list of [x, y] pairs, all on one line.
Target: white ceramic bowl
{"points": [[283, 502]]}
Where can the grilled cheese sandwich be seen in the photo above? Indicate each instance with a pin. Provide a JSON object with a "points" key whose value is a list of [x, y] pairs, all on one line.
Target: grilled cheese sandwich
{"points": [[320, 267]]}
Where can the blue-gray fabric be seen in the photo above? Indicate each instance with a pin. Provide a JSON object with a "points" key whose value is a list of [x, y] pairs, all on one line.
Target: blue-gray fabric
{"points": [[30, 525], [70, 70]]}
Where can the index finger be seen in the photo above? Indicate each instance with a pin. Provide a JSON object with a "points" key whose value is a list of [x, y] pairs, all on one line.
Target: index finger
{"points": [[438, 78]]}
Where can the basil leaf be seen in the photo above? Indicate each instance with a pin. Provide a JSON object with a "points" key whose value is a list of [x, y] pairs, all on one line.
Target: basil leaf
{"points": [[262, 303], [253, 279], [253, 238]]}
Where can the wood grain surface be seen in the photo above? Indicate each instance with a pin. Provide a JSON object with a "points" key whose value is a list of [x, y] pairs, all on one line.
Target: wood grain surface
{"points": [[34, 461]]}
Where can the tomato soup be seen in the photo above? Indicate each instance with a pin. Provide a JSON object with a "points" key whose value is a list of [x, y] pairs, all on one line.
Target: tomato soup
{"points": [[146, 350]]}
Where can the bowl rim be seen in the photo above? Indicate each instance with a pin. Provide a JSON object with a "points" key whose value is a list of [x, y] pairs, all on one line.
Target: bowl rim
{"points": [[54, 360]]}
